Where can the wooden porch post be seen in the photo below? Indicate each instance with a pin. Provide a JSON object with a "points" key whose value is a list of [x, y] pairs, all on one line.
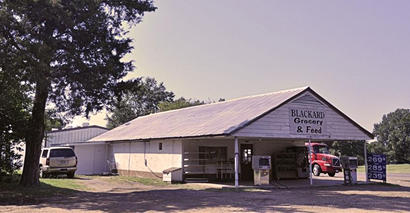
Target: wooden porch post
{"points": [[236, 163], [310, 162], [365, 161]]}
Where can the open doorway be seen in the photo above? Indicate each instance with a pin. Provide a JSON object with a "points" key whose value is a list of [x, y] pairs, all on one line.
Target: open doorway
{"points": [[246, 162]]}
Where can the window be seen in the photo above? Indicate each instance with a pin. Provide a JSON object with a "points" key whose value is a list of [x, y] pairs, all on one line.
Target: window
{"points": [[160, 146], [264, 162], [62, 153], [209, 155], [45, 152], [247, 155], [321, 149]]}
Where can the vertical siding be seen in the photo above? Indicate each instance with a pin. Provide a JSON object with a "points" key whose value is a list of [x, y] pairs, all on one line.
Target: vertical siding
{"points": [[276, 123], [100, 159], [91, 159], [85, 156]]}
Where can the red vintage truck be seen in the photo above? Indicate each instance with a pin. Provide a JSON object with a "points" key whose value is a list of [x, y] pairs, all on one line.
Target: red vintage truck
{"points": [[323, 161]]}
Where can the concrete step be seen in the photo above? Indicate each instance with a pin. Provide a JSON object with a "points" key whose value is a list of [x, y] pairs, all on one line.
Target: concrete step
{"points": [[196, 180]]}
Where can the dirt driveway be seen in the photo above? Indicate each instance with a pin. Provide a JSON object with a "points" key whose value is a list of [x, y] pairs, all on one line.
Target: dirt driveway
{"points": [[105, 195]]}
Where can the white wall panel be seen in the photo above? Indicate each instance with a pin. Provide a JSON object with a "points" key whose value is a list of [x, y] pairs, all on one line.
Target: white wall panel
{"points": [[133, 155], [91, 159]]}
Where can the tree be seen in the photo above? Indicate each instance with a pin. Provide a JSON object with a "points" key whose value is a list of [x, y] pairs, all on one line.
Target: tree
{"points": [[14, 113], [54, 120], [393, 136], [142, 97], [178, 104], [348, 148], [70, 53]]}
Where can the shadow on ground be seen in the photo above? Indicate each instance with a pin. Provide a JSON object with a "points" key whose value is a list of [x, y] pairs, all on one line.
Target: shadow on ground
{"points": [[14, 194], [364, 197]]}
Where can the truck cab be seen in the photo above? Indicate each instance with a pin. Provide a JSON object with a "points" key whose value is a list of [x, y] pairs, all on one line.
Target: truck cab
{"points": [[323, 161]]}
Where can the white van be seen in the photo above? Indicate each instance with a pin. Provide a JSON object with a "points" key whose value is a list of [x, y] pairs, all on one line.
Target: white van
{"points": [[58, 160]]}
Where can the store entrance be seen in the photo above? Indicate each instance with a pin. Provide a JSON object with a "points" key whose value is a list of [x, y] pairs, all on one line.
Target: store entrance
{"points": [[246, 162]]}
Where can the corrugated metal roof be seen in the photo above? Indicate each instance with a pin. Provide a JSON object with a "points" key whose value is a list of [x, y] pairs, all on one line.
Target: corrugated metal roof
{"points": [[73, 135], [220, 118], [77, 128]]}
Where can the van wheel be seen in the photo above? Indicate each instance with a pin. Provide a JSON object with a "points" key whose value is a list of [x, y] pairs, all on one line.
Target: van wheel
{"points": [[331, 174], [316, 170], [70, 174]]}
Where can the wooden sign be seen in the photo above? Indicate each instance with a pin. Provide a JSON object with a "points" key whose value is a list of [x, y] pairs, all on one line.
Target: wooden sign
{"points": [[307, 121]]}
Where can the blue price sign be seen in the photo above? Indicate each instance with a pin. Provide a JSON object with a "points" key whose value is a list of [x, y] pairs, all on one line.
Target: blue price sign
{"points": [[376, 166]]}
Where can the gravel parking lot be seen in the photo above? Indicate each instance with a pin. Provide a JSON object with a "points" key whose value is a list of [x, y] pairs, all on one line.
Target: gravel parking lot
{"points": [[111, 194]]}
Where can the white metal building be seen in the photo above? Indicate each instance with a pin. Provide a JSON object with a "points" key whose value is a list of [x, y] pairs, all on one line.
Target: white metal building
{"points": [[92, 157], [228, 133]]}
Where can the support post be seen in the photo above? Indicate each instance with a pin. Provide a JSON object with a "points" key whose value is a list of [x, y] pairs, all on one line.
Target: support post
{"points": [[310, 162], [236, 163], [365, 161], [183, 160]]}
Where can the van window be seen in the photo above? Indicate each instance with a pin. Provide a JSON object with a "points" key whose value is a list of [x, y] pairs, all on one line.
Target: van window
{"points": [[45, 152], [62, 153]]}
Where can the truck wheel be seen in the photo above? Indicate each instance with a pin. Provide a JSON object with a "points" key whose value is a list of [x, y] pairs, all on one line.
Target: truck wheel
{"points": [[70, 174], [43, 174], [331, 174], [316, 170]]}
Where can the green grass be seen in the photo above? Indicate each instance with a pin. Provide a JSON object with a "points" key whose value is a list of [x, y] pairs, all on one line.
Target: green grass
{"points": [[392, 168], [63, 183], [145, 181], [12, 193]]}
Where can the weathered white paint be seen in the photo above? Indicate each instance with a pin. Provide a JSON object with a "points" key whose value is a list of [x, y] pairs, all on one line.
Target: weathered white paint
{"points": [[74, 135], [146, 156], [92, 159], [276, 123]]}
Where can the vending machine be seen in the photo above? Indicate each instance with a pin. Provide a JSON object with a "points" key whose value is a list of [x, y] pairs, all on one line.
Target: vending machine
{"points": [[261, 166]]}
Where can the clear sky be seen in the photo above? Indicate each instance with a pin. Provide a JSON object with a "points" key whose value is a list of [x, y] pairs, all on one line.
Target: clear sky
{"points": [[356, 54]]}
